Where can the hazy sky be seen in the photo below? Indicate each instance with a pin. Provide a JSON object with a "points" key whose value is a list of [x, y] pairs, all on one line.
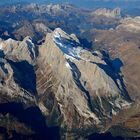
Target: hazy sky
{"points": [[85, 3]]}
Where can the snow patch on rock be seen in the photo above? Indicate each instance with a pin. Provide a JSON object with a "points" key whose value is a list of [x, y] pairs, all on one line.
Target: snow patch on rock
{"points": [[67, 47], [1, 46]]}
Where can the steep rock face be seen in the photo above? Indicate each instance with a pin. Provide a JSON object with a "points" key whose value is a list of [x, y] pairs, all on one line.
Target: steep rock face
{"points": [[86, 89], [75, 89], [69, 97]]}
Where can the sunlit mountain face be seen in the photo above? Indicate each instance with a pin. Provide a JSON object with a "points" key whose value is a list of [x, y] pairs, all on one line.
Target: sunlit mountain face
{"points": [[69, 69]]}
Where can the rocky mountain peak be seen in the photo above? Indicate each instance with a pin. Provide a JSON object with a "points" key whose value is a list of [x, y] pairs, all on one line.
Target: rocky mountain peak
{"points": [[72, 87], [19, 50]]}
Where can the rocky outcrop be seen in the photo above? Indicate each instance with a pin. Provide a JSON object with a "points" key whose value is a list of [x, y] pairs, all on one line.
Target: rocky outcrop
{"points": [[75, 89], [130, 24], [108, 12]]}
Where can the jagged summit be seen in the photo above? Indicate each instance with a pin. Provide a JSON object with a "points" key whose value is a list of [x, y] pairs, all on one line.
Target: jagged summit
{"points": [[68, 44], [19, 50]]}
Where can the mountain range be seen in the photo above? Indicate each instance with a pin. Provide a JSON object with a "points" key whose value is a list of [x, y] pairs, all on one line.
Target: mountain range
{"points": [[69, 73], [124, 4]]}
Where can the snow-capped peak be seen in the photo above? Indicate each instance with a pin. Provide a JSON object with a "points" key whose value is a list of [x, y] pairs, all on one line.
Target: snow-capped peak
{"points": [[67, 44]]}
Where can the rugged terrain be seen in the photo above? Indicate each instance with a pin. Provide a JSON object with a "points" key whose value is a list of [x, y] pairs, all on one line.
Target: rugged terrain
{"points": [[123, 42], [75, 90], [34, 20], [54, 84]]}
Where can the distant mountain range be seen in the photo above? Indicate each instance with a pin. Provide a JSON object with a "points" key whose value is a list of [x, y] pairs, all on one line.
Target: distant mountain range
{"points": [[84, 3]]}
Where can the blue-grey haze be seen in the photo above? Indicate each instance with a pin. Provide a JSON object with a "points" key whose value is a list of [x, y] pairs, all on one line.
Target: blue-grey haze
{"points": [[83, 3]]}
